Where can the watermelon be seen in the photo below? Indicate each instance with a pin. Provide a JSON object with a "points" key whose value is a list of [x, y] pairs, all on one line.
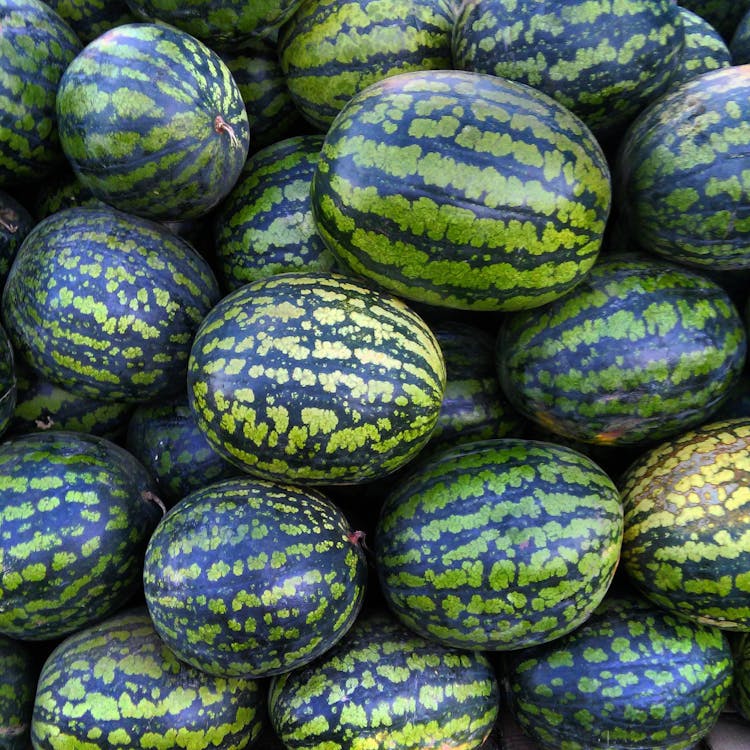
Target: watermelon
{"points": [[462, 190], [681, 173], [8, 382], [164, 437], [265, 225], [15, 223], [116, 685], [642, 349], [603, 61], [18, 680], [152, 122], [106, 304], [36, 47], [249, 578], [382, 686], [76, 513], [741, 682], [739, 43], [330, 50], [62, 191], [632, 676], [498, 544], [315, 378], [723, 15], [704, 49], [91, 18], [686, 545]]}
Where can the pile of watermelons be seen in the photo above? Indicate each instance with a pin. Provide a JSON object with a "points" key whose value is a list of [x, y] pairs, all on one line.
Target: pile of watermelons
{"points": [[373, 373]]}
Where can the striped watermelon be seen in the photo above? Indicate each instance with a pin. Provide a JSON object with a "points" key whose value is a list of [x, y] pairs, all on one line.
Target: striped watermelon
{"points": [[76, 513], [704, 50], [18, 680], [741, 683], [682, 172], [315, 378], [246, 578], [90, 18], [723, 15], [36, 46], [330, 50], [106, 304], [116, 685], [499, 544], [384, 687], [686, 545], [265, 226], [462, 190], [152, 122], [604, 61], [632, 676], [640, 350]]}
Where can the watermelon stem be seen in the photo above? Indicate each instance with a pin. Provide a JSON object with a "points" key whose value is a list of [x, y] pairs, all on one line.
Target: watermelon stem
{"points": [[7, 224], [357, 538], [150, 497], [222, 126]]}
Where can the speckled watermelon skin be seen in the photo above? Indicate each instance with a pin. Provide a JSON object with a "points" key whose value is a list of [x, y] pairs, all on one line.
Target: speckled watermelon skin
{"points": [[685, 546], [251, 578], [704, 50], [315, 378], [639, 351], [498, 544], [106, 304], [76, 513], [116, 685], [632, 676], [152, 122], [18, 680], [384, 686], [36, 46], [90, 18], [462, 190]]}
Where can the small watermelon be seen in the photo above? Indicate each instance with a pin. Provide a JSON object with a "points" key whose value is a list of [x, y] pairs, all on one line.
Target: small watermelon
{"points": [[704, 50]]}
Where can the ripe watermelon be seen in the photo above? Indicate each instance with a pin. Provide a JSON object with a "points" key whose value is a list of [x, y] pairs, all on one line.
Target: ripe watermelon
{"points": [[152, 122], [704, 50], [90, 18], [18, 680], [462, 190]]}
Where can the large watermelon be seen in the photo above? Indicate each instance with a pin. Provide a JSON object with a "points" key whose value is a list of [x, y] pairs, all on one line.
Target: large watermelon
{"points": [[499, 544], [248, 578], [462, 190], [152, 121], [315, 378]]}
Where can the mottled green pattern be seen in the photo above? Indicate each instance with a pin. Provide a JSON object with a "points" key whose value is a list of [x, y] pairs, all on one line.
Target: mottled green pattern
{"points": [[249, 578], [602, 60], [90, 18], [152, 122], [385, 687], [106, 304], [315, 378], [683, 172], [36, 46], [18, 680], [499, 544], [165, 438], [219, 23], [640, 350], [265, 226], [271, 112], [632, 676], [723, 15], [330, 50], [115, 686], [462, 190], [76, 512], [704, 50], [687, 524]]}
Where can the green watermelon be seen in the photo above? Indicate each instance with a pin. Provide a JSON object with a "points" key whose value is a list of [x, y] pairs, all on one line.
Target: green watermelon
{"points": [[330, 50], [106, 304], [741, 682], [265, 225], [8, 381], [642, 349], [247, 578], [604, 61], [15, 223], [686, 545], [462, 190], [152, 122], [18, 681], [631, 677], [723, 15], [739, 43], [116, 685], [682, 173], [315, 378], [498, 544], [704, 50], [382, 686], [36, 47], [76, 513], [91, 18]]}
